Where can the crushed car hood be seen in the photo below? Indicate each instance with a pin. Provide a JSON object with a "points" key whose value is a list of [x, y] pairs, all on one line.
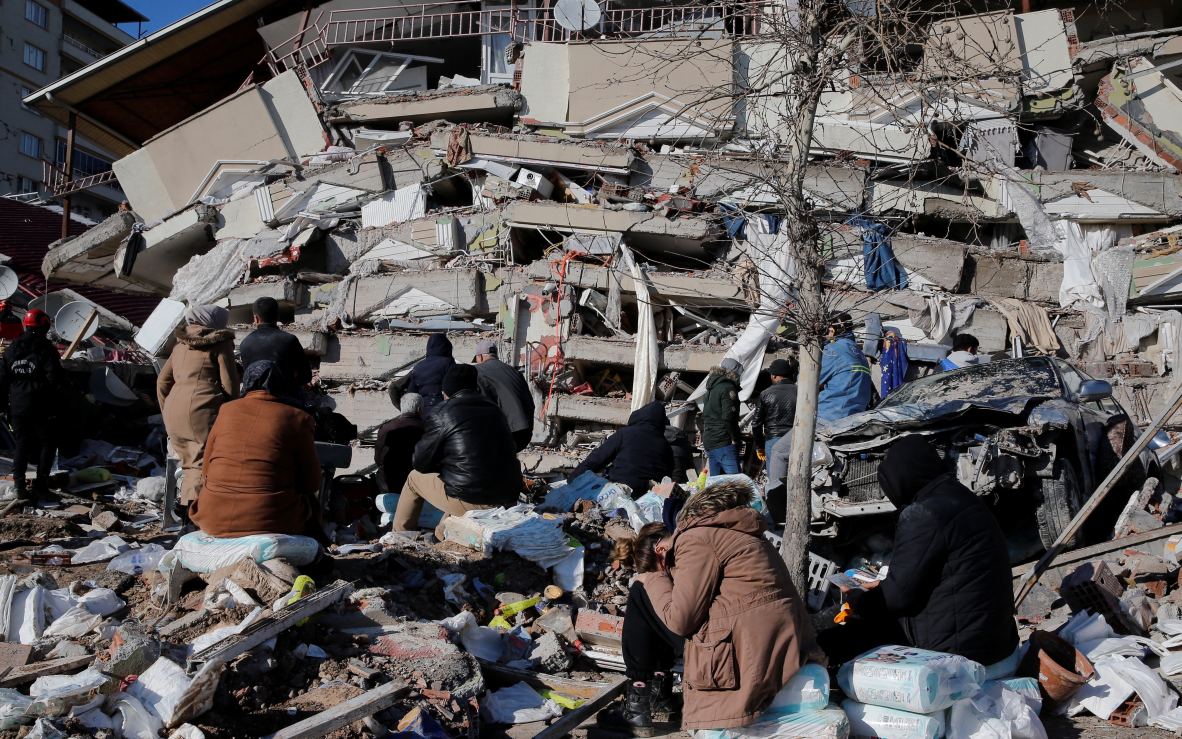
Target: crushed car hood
{"points": [[917, 415]]}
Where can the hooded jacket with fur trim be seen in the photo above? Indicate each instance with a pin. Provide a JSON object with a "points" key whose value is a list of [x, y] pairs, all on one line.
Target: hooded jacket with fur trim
{"points": [[720, 411], [199, 377], [637, 453], [729, 593]]}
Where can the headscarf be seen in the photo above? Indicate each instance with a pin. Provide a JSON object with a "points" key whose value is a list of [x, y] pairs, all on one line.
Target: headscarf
{"points": [[265, 375], [210, 316], [909, 466]]}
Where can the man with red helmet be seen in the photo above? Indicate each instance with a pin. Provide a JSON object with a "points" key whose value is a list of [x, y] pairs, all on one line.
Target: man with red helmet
{"points": [[31, 375]]}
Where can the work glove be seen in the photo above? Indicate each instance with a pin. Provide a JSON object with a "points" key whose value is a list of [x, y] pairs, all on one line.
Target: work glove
{"points": [[761, 455]]}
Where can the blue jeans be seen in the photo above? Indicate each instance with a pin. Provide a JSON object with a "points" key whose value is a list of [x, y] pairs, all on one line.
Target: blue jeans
{"points": [[724, 460], [767, 446]]}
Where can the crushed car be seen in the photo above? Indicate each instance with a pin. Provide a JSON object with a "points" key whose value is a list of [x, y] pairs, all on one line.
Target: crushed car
{"points": [[1033, 436]]}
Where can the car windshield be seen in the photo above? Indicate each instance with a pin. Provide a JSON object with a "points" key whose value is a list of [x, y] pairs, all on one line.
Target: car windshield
{"points": [[1004, 379]]}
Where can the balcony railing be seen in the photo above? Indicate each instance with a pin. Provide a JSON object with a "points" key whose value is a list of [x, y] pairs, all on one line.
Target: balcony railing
{"points": [[82, 47], [59, 185]]}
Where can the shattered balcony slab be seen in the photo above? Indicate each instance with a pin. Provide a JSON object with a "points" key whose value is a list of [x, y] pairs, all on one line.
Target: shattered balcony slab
{"points": [[1094, 56], [686, 289], [169, 245], [86, 259], [672, 357], [1016, 276], [274, 120], [544, 151], [1158, 191], [614, 411], [486, 103], [462, 288], [683, 234], [368, 355], [1145, 109], [708, 177]]}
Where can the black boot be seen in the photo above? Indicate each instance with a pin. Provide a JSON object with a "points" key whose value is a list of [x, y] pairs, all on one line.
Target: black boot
{"points": [[663, 704], [632, 716], [41, 488], [22, 491]]}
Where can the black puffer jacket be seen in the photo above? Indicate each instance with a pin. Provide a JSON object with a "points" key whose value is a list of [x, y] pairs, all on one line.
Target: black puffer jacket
{"points": [[31, 374], [949, 582], [467, 441], [506, 387], [775, 412], [683, 452], [426, 378], [637, 453]]}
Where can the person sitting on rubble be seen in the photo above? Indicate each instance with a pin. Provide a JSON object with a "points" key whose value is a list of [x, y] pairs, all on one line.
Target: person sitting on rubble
{"points": [[199, 377], [637, 453], [395, 448], [271, 343], [31, 376], [846, 387], [262, 474], [720, 417], [506, 387], [426, 378], [466, 459], [720, 584], [964, 353], [948, 588], [775, 410]]}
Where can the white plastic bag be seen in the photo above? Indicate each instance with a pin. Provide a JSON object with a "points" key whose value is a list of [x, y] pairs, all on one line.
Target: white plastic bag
{"points": [[57, 697], [138, 561], [102, 602], [44, 729], [187, 731], [150, 488], [568, 573], [12, 709], [800, 709], [910, 679], [1027, 687], [138, 721], [479, 641], [30, 625], [74, 623], [205, 641], [100, 550], [999, 713], [891, 723], [519, 704]]}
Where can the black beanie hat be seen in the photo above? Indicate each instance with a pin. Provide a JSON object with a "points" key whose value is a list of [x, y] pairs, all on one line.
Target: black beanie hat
{"points": [[459, 377]]}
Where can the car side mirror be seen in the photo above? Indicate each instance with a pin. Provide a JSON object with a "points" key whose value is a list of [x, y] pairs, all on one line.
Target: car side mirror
{"points": [[1094, 390]]}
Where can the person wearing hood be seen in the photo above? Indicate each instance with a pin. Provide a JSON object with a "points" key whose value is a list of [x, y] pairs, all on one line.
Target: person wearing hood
{"points": [[271, 343], [846, 387], [395, 447], [426, 378], [199, 377], [724, 588], [506, 387], [720, 417], [31, 377], [262, 475], [964, 353], [466, 459], [949, 587], [637, 453]]}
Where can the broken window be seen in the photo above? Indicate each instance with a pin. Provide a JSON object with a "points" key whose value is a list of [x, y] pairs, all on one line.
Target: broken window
{"points": [[368, 72]]}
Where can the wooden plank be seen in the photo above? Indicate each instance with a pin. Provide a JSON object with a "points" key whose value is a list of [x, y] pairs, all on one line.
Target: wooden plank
{"points": [[29, 673], [1097, 551], [572, 719], [366, 704], [504, 676]]}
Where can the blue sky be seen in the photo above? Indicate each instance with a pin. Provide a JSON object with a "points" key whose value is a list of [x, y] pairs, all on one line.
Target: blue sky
{"points": [[163, 12]]}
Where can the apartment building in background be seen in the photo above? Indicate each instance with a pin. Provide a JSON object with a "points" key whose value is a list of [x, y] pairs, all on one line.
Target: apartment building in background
{"points": [[42, 41]]}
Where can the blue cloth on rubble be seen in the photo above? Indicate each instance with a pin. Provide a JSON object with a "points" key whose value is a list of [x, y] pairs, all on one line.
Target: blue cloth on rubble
{"points": [[894, 362], [845, 380], [882, 270]]}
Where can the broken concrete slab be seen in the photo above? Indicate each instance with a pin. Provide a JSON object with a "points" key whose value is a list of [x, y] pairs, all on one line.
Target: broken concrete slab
{"points": [[168, 246], [544, 150], [1160, 191], [486, 103], [314, 342], [1015, 276], [683, 234], [672, 357], [614, 411], [288, 293], [365, 355], [85, 259], [1144, 107], [462, 288], [689, 290]]}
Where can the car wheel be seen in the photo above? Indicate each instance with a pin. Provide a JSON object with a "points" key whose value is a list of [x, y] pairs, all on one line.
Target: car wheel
{"points": [[1059, 499]]}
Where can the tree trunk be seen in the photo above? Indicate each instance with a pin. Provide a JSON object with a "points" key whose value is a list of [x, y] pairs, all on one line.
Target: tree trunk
{"points": [[799, 481]]}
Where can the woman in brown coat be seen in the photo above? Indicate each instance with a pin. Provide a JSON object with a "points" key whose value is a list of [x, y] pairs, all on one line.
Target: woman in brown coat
{"points": [[726, 589], [262, 475], [198, 378]]}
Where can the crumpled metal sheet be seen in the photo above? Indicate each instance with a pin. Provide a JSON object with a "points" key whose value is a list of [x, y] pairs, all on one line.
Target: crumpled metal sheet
{"points": [[916, 415]]}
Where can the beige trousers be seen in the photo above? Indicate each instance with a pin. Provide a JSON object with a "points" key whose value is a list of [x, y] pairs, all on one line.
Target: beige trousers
{"points": [[428, 487]]}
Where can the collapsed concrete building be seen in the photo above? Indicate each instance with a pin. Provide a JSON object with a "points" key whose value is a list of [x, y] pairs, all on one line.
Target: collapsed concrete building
{"points": [[495, 173]]}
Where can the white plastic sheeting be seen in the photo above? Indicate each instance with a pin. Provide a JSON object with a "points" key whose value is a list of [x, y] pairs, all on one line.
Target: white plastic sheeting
{"points": [[402, 205], [1084, 280], [209, 277], [519, 529], [340, 294], [645, 359]]}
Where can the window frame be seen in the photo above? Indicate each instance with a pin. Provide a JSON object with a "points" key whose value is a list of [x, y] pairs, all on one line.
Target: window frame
{"points": [[40, 145], [44, 11], [44, 56]]}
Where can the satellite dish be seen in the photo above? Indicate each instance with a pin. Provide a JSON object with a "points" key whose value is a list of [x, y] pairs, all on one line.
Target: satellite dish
{"points": [[8, 283], [71, 318], [51, 303], [577, 15], [106, 387]]}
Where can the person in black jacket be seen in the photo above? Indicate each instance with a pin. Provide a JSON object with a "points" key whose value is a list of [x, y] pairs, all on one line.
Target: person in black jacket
{"points": [[775, 410], [465, 460], [637, 453], [683, 453], [506, 387], [272, 343], [31, 376], [948, 588], [426, 378]]}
